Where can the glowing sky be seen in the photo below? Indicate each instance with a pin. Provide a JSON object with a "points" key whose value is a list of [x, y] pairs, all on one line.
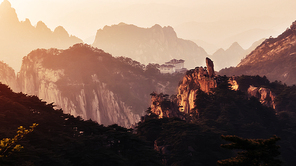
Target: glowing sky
{"points": [[83, 18]]}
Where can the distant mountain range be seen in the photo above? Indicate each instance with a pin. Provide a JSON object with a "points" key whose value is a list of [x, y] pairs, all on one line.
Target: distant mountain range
{"points": [[148, 45], [225, 32], [17, 38], [275, 58], [233, 55]]}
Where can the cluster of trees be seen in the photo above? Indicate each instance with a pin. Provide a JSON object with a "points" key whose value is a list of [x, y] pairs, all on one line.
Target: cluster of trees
{"points": [[61, 139], [225, 112]]}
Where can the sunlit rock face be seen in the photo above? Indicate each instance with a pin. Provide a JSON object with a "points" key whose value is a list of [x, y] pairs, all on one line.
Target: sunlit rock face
{"points": [[7, 76], [163, 106], [234, 85], [183, 103], [148, 45], [87, 82], [194, 80], [265, 96], [89, 98], [275, 58]]}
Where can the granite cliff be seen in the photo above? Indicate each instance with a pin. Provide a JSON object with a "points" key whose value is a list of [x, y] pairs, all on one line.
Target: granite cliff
{"points": [[200, 78], [204, 79], [87, 82], [8, 77], [274, 58], [148, 45]]}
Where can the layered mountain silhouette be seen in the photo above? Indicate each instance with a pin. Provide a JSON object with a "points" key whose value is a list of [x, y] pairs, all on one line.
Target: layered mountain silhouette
{"points": [[230, 57], [275, 58], [18, 38], [233, 55], [148, 45]]}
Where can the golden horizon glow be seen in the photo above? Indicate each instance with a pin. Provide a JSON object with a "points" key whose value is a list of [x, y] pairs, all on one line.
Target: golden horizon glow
{"points": [[83, 17], [212, 24]]}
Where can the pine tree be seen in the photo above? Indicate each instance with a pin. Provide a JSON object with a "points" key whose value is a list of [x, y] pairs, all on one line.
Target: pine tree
{"points": [[256, 152]]}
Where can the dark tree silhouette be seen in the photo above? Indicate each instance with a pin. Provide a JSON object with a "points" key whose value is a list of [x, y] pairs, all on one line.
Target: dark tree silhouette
{"points": [[256, 152]]}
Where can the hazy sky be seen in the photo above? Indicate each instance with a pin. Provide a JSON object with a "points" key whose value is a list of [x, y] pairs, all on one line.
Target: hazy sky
{"points": [[83, 18]]}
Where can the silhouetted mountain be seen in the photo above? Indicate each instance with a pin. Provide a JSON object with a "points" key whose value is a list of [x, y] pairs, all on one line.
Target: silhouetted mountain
{"points": [[275, 58], [148, 45], [229, 57], [17, 38]]}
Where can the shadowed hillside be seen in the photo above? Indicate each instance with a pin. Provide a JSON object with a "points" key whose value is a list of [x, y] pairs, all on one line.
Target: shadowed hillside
{"points": [[275, 58]]}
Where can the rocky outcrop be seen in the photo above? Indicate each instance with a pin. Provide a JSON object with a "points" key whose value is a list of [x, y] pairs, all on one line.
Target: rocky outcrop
{"points": [[148, 45], [194, 80], [210, 67], [183, 103], [265, 96], [274, 58], [163, 106], [234, 85]]}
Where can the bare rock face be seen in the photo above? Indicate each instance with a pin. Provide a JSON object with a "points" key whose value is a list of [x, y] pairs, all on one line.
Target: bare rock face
{"points": [[163, 106], [7, 76], [210, 67], [87, 82], [265, 96], [78, 94], [234, 85], [183, 103], [194, 80]]}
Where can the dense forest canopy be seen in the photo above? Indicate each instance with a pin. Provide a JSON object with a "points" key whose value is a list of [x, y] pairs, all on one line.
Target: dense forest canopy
{"points": [[61, 139]]}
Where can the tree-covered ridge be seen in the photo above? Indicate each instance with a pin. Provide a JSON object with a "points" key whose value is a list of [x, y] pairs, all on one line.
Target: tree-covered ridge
{"points": [[257, 152], [221, 112], [61, 139]]}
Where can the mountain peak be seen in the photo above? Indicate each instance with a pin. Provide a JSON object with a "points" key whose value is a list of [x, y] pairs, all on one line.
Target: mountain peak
{"points": [[156, 26], [5, 4], [7, 13], [235, 45], [61, 31]]}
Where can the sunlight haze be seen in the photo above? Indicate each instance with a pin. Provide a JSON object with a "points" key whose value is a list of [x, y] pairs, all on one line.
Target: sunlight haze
{"points": [[84, 18]]}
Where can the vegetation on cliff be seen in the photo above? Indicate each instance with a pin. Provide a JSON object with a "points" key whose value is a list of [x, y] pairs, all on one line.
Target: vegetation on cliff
{"points": [[89, 82], [222, 112], [61, 139]]}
